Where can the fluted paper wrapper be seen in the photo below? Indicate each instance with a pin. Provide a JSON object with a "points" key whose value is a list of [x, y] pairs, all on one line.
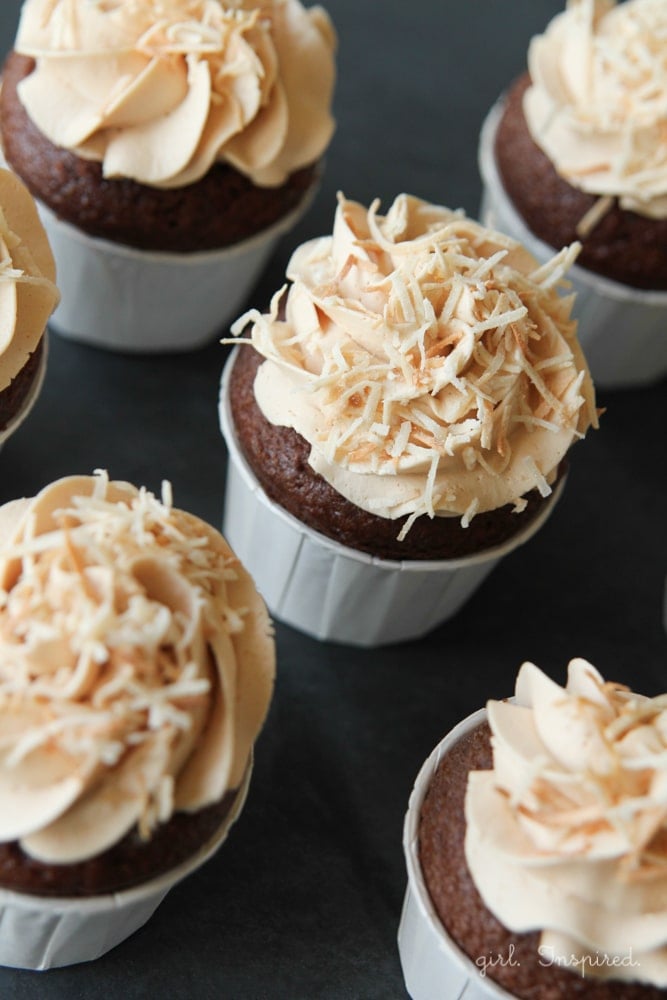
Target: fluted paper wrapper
{"points": [[39, 932], [141, 301], [30, 399], [622, 330], [434, 967], [333, 592]]}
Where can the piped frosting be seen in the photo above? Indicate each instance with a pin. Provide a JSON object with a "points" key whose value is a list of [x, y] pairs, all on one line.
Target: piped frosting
{"points": [[568, 833], [136, 666], [598, 101], [28, 294], [159, 90], [430, 363]]}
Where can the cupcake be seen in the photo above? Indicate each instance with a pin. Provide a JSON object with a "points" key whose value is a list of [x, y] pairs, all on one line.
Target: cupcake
{"points": [[577, 150], [28, 297], [536, 845], [399, 419], [136, 669], [169, 145]]}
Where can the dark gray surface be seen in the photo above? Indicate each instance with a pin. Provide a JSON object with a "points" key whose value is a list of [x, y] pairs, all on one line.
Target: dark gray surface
{"points": [[304, 899]]}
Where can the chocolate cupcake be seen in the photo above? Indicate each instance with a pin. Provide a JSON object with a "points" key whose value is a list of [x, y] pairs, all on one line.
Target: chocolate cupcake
{"points": [[136, 670], [536, 845], [29, 296], [175, 142], [576, 151], [408, 404]]}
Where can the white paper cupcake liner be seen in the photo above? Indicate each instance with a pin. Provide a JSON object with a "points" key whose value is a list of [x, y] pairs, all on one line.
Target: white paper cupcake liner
{"points": [[434, 967], [123, 299], [623, 330], [31, 398], [333, 592], [39, 932]]}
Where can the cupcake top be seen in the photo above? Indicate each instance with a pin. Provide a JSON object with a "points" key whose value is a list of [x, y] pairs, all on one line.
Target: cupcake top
{"points": [[430, 363], [159, 90], [598, 101], [136, 666], [568, 833], [28, 294]]}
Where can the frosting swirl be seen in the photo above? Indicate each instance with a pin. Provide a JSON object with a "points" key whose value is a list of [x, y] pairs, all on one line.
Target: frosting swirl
{"points": [[598, 101], [568, 833], [28, 294], [159, 90], [430, 363], [136, 666]]}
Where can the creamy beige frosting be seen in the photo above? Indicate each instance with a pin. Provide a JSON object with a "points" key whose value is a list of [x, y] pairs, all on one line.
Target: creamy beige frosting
{"points": [[159, 90], [568, 833], [136, 666], [28, 294], [430, 363], [598, 101]]}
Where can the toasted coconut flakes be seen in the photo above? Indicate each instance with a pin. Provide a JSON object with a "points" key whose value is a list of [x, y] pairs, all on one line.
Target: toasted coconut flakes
{"points": [[456, 289], [594, 215], [167, 494], [401, 440], [541, 484], [560, 361], [127, 653], [469, 458], [430, 482], [100, 484], [401, 293], [499, 320], [403, 533], [470, 512], [381, 431], [453, 318], [530, 421], [485, 266], [554, 270]]}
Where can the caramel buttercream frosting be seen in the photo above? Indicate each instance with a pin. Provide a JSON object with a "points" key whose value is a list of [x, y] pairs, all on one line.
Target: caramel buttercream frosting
{"points": [[568, 833], [598, 101], [430, 363], [28, 294], [136, 666], [159, 90]]}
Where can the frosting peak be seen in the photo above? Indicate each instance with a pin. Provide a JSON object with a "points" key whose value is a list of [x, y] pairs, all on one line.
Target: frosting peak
{"points": [[28, 294], [598, 101], [430, 363], [136, 666], [573, 817], [160, 90]]}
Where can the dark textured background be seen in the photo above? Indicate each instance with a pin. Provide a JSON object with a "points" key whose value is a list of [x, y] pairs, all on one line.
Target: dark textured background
{"points": [[304, 899]]}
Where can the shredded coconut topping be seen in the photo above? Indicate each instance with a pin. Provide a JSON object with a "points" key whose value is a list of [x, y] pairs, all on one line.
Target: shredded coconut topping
{"points": [[598, 104], [110, 611], [422, 347]]}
